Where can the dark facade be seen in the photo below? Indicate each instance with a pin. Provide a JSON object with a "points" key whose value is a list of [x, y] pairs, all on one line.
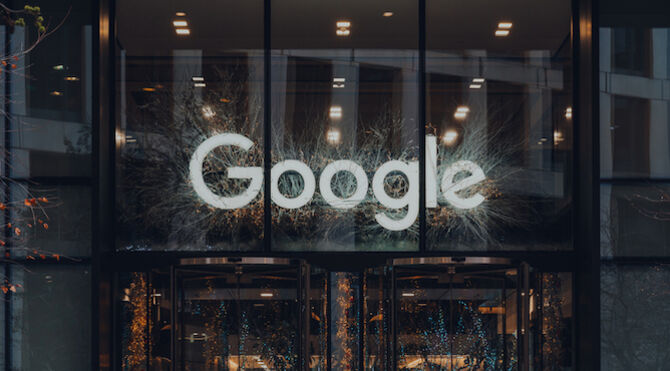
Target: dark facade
{"points": [[375, 185]]}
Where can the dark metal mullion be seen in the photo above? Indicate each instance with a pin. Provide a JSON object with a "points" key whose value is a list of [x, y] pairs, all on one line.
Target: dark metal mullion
{"points": [[173, 317], [504, 321], [586, 184], [422, 125], [7, 213], [361, 320], [329, 324], [148, 299], [394, 320], [267, 125]]}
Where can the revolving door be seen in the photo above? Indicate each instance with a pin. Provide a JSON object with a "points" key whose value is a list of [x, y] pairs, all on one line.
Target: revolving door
{"points": [[214, 314], [460, 315]]}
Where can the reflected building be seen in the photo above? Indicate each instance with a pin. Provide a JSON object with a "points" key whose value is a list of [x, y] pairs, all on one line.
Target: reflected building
{"points": [[336, 185]]}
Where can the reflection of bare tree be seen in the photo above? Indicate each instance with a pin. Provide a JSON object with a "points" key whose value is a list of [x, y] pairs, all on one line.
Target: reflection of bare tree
{"points": [[156, 197], [635, 317]]}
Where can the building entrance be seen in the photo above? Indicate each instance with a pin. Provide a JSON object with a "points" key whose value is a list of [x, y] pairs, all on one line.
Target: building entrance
{"points": [[437, 313]]}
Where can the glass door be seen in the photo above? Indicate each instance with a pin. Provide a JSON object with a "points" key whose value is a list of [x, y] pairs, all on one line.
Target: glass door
{"points": [[242, 315], [458, 315]]}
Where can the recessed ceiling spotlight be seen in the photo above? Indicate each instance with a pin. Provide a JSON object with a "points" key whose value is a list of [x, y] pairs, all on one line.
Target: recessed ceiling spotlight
{"points": [[179, 23], [502, 33], [333, 136], [475, 86], [338, 82], [335, 112], [450, 137], [199, 85], [387, 14], [198, 78], [343, 28], [505, 25], [180, 14], [408, 294], [478, 80], [461, 112], [183, 31], [71, 78], [568, 113], [266, 294]]}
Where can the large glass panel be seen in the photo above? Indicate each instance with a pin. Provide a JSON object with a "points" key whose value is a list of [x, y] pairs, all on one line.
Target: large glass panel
{"points": [[50, 221], [238, 318], [51, 318], [635, 313], [499, 125], [634, 129], [51, 93], [189, 87], [344, 125], [456, 318]]}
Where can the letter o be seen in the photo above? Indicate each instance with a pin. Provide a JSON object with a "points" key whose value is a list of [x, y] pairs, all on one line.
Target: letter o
{"points": [[361, 184], [307, 192]]}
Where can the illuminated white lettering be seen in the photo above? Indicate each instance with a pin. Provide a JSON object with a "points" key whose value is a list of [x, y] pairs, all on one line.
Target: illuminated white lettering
{"points": [[410, 200]]}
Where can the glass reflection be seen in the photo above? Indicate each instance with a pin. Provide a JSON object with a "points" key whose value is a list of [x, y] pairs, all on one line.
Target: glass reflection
{"points": [[239, 318], [174, 91], [344, 87], [499, 93], [456, 318]]}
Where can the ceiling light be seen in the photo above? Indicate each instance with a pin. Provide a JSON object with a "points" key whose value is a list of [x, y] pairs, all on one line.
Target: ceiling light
{"points": [[180, 23], [505, 25], [266, 294], [343, 28], [478, 80], [408, 294], [130, 139], [502, 33], [450, 137], [333, 136], [56, 93], [199, 85], [335, 112], [463, 109], [58, 67], [149, 89], [338, 82], [183, 31], [475, 86], [387, 14], [180, 14], [71, 78], [198, 78], [568, 113]]}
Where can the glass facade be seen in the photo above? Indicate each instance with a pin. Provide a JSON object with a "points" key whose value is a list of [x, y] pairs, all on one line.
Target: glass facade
{"points": [[331, 98], [335, 185], [634, 171]]}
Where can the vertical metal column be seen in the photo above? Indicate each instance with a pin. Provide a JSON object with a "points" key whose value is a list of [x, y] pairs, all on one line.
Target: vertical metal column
{"points": [[422, 125], [524, 312], [267, 125], [173, 317]]}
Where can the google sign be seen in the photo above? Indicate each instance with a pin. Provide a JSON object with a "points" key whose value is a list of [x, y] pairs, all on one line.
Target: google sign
{"points": [[448, 185]]}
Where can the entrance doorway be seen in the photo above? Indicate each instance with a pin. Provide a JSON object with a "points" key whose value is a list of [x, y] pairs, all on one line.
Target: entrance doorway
{"points": [[437, 313]]}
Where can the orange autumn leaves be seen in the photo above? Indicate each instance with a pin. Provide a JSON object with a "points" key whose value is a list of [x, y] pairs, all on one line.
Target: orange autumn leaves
{"points": [[7, 64], [31, 202]]}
